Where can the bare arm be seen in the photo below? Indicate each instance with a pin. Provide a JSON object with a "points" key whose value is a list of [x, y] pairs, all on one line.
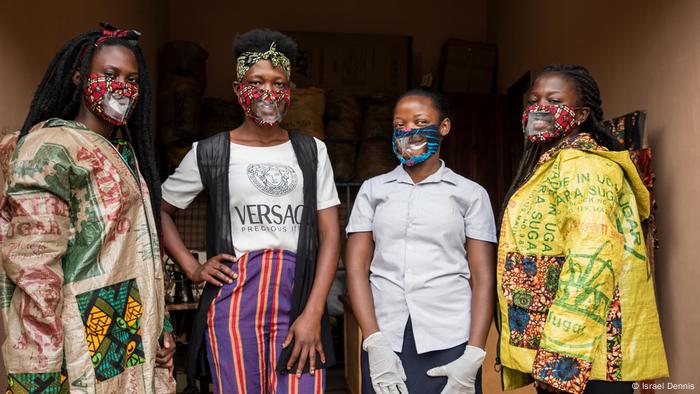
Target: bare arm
{"points": [[306, 329], [358, 257], [482, 264], [172, 241], [327, 262]]}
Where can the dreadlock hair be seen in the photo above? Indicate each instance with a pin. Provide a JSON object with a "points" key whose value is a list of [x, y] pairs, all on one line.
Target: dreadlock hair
{"points": [[588, 96], [437, 98], [58, 97], [259, 40]]}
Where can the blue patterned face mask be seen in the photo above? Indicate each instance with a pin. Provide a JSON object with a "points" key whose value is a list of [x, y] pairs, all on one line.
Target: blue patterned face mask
{"points": [[414, 146]]}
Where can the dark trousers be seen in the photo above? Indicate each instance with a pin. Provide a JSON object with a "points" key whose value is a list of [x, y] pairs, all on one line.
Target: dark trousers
{"points": [[602, 387], [416, 365]]}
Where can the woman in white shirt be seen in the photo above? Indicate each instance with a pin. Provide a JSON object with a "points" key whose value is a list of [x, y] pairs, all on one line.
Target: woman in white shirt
{"points": [[425, 237], [272, 202]]}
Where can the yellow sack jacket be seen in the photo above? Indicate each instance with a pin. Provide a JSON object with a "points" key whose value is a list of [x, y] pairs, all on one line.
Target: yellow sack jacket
{"points": [[81, 289], [575, 292]]}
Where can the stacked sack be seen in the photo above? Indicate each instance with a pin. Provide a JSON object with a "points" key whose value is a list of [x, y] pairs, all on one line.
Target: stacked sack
{"points": [[305, 114], [375, 156], [344, 119]]}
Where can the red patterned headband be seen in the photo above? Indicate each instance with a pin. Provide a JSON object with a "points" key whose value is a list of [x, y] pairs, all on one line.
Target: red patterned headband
{"points": [[111, 31]]}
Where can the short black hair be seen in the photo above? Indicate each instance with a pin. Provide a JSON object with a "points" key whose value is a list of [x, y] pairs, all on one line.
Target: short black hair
{"points": [[259, 40], [435, 96]]}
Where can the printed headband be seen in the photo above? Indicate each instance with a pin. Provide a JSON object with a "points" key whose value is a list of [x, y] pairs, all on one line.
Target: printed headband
{"points": [[248, 59], [132, 36], [110, 31]]}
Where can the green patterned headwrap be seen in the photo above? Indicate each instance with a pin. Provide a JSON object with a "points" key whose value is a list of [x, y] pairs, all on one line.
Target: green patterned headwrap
{"points": [[248, 59]]}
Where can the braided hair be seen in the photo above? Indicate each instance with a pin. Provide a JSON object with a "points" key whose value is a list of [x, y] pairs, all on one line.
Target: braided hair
{"points": [[58, 97], [588, 96]]}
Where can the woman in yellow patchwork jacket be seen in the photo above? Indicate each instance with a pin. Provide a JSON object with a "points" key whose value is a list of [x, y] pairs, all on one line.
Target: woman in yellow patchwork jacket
{"points": [[577, 310], [81, 285]]}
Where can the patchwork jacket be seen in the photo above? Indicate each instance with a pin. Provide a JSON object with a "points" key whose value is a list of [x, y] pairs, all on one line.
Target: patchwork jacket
{"points": [[575, 293], [81, 289]]}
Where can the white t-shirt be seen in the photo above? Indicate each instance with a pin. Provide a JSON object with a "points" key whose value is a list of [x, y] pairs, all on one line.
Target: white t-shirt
{"points": [[266, 193]]}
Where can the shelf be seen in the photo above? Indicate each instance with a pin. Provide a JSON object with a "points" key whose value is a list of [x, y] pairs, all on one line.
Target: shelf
{"points": [[190, 306]]}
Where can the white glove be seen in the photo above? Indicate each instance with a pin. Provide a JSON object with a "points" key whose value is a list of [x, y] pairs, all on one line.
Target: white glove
{"points": [[385, 367], [461, 373]]}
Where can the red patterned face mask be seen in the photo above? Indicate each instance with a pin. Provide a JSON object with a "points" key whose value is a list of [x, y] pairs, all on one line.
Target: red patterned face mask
{"points": [[265, 107], [545, 123], [110, 100]]}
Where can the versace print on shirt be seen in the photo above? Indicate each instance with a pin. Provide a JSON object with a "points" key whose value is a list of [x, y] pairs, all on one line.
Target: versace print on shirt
{"points": [[266, 192]]}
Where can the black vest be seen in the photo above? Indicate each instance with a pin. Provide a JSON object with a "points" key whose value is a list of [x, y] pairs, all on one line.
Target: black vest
{"points": [[213, 155]]}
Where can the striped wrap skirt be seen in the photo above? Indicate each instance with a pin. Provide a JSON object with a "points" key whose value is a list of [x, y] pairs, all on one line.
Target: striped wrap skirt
{"points": [[247, 324]]}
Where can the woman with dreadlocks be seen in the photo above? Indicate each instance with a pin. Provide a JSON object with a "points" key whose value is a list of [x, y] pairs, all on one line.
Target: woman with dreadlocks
{"points": [[576, 299], [272, 236], [82, 289]]}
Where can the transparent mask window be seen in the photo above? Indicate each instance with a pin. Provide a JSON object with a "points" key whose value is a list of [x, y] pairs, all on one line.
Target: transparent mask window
{"points": [[117, 107], [412, 145], [269, 111], [539, 122]]}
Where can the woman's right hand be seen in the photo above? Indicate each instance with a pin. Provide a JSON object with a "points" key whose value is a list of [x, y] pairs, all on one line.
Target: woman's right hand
{"points": [[214, 271], [385, 367]]}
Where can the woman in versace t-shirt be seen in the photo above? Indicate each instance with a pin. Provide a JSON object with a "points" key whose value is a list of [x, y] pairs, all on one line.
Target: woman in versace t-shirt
{"points": [[272, 204]]}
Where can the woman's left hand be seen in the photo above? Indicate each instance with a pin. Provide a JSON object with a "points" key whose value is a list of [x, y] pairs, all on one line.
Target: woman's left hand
{"points": [[461, 373], [306, 334], [164, 356]]}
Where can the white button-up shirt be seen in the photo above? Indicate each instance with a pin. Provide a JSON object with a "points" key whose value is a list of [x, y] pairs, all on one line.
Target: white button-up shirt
{"points": [[420, 267]]}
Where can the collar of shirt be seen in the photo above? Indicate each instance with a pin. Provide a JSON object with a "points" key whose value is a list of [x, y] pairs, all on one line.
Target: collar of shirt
{"points": [[443, 174]]}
